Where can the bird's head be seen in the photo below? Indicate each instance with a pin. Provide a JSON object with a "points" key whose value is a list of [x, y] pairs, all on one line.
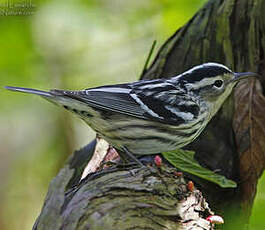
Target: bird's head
{"points": [[212, 82]]}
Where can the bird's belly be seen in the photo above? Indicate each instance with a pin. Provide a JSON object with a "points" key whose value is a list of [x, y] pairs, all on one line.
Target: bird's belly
{"points": [[143, 145], [145, 137]]}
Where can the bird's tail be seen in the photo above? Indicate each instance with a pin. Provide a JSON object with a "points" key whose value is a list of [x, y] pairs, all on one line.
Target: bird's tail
{"points": [[28, 90], [54, 96]]}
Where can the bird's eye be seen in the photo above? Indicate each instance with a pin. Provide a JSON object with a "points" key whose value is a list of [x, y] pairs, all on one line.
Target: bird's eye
{"points": [[218, 83]]}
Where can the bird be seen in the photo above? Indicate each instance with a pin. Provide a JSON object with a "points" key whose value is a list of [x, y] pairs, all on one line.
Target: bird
{"points": [[150, 116]]}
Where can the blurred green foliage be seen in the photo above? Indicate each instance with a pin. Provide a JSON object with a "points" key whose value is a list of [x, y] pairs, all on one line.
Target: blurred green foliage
{"points": [[69, 44]]}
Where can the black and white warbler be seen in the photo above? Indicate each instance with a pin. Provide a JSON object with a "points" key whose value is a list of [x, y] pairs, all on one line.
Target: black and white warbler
{"points": [[151, 116]]}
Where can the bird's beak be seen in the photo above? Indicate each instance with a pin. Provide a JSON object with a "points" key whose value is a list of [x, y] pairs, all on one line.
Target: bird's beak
{"points": [[240, 76]]}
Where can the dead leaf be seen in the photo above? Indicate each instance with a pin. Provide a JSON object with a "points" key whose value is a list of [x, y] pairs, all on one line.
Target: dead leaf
{"points": [[103, 153], [100, 153], [249, 128]]}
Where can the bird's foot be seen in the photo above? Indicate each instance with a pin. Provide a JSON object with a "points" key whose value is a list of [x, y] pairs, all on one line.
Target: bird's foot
{"points": [[128, 158]]}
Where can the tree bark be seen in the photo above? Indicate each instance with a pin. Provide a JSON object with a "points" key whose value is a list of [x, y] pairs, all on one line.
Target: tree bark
{"points": [[230, 32], [121, 198]]}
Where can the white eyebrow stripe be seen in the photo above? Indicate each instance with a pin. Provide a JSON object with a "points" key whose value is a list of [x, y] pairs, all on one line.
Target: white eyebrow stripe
{"points": [[199, 84]]}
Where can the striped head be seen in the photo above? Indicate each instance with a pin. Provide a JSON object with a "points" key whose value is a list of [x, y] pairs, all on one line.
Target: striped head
{"points": [[212, 83]]}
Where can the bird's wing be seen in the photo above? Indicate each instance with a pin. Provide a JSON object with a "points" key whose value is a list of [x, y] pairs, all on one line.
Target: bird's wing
{"points": [[115, 98], [156, 99], [165, 101]]}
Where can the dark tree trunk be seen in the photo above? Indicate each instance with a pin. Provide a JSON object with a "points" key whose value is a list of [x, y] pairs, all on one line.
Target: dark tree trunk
{"points": [[231, 32]]}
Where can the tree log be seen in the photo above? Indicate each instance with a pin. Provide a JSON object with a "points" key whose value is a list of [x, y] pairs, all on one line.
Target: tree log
{"points": [[230, 32], [121, 198]]}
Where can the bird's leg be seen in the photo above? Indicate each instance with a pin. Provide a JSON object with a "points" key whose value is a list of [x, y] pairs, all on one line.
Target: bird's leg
{"points": [[127, 157]]}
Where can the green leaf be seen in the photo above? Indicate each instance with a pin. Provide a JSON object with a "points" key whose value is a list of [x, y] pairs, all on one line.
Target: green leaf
{"points": [[184, 160]]}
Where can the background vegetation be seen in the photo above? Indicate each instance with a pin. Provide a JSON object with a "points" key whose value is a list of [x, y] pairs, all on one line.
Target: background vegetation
{"points": [[73, 45]]}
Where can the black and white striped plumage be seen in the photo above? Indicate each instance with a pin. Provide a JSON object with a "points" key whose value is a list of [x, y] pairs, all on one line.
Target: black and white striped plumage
{"points": [[150, 116]]}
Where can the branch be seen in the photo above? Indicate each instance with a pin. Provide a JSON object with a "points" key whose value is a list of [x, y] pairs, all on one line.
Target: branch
{"points": [[122, 198]]}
